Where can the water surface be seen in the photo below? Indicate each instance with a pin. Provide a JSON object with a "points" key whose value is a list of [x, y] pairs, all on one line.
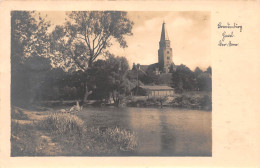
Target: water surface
{"points": [[160, 131]]}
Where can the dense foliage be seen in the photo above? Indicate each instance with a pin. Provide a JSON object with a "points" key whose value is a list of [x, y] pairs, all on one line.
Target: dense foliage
{"points": [[108, 78], [185, 79], [29, 38], [86, 35], [38, 52]]}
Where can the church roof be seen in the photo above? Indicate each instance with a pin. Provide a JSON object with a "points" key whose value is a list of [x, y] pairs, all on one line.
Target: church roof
{"points": [[164, 34], [144, 67]]}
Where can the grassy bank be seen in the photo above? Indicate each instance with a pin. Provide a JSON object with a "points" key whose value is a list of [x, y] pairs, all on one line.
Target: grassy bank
{"points": [[64, 134]]}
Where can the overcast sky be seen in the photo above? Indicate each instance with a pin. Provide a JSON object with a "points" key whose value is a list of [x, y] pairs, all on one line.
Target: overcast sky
{"points": [[189, 33]]}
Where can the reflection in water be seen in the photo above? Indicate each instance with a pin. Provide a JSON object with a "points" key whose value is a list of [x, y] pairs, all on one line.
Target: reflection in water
{"points": [[146, 127], [160, 132], [167, 136]]}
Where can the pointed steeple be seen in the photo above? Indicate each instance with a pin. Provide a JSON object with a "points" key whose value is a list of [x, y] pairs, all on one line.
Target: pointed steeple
{"points": [[164, 34], [165, 51]]}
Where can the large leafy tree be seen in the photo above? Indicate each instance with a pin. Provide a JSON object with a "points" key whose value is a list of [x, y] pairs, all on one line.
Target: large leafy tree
{"points": [[29, 44], [85, 36], [29, 36]]}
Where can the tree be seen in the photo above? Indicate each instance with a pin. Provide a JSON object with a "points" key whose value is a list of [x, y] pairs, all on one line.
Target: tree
{"points": [[209, 70], [109, 78], [197, 71], [85, 36], [28, 35], [150, 77], [203, 79], [183, 79], [204, 82], [29, 38]]}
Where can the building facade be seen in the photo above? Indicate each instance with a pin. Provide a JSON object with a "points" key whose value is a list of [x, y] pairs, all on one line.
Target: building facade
{"points": [[153, 91]]}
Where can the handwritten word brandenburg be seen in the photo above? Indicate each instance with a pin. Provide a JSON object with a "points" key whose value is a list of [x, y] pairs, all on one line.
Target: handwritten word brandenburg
{"points": [[229, 26]]}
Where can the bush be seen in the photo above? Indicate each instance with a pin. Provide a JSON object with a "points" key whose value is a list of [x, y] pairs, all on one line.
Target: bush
{"points": [[120, 140], [193, 101], [62, 123], [113, 141], [137, 103]]}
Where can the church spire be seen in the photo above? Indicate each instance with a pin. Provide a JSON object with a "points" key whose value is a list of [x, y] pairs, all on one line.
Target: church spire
{"points": [[165, 51], [164, 34]]}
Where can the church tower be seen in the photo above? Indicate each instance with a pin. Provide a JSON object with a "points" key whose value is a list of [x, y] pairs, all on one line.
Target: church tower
{"points": [[165, 51]]}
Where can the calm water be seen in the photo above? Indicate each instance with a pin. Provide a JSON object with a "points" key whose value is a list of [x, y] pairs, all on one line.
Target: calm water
{"points": [[160, 132]]}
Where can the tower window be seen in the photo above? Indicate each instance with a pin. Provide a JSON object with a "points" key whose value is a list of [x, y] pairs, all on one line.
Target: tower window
{"points": [[168, 52], [168, 58]]}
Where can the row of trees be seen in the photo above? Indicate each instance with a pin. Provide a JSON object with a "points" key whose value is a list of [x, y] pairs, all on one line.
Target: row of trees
{"points": [[181, 78], [106, 79]]}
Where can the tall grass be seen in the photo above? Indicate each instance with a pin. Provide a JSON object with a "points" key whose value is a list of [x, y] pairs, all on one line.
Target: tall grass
{"points": [[111, 141], [62, 123], [76, 138]]}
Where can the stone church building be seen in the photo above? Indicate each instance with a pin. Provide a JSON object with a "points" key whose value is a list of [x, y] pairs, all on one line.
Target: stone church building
{"points": [[165, 63]]}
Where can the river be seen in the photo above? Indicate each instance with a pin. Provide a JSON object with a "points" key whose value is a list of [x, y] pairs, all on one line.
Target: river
{"points": [[159, 131]]}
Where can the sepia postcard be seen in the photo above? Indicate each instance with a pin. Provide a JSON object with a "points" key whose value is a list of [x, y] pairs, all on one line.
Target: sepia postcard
{"points": [[130, 83]]}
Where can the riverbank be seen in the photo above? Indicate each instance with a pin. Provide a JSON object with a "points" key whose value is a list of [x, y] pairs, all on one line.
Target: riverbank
{"points": [[187, 100], [49, 133], [197, 100]]}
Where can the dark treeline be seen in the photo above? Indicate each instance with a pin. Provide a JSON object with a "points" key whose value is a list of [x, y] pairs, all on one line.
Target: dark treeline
{"points": [[106, 79], [183, 79]]}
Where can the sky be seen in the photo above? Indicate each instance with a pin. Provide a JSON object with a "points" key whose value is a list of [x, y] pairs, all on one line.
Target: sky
{"points": [[188, 31]]}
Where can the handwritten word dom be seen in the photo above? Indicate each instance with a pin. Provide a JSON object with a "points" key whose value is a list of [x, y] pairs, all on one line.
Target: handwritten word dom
{"points": [[228, 34]]}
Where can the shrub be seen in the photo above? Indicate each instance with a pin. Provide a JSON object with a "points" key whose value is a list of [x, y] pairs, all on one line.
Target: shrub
{"points": [[111, 141], [120, 140], [194, 101], [137, 103], [62, 123]]}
